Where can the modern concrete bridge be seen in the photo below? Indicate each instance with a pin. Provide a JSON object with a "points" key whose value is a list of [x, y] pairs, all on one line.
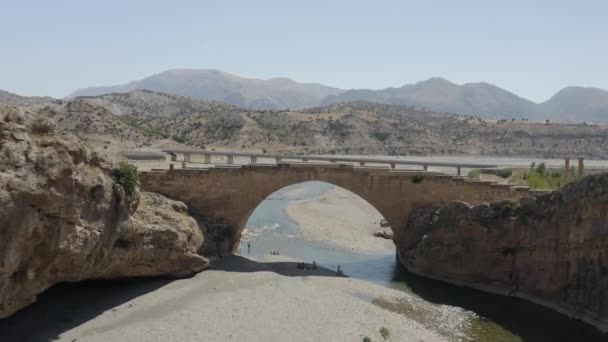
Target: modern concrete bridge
{"points": [[231, 194], [252, 159]]}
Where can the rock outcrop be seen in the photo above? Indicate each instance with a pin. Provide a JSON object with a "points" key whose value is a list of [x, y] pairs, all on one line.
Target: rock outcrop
{"points": [[63, 218], [551, 249], [384, 233], [159, 239]]}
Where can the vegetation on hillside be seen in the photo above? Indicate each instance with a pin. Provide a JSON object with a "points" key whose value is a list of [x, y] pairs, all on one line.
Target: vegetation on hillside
{"points": [[540, 178], [140, 118], [536, 177]]}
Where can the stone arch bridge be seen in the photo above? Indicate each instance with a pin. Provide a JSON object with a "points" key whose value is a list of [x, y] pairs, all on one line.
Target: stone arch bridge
{"points": [[231, 194]]}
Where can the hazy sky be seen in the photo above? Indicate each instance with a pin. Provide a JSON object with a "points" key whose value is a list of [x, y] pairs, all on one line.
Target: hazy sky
{"points": [[532, 48]]}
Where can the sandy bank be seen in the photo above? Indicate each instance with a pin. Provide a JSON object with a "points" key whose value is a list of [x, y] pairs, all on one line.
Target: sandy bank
{"points": [[340, 218], [237, 300]]}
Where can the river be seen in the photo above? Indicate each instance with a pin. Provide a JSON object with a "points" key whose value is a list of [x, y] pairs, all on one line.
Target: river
{"points": [[490, 317]]}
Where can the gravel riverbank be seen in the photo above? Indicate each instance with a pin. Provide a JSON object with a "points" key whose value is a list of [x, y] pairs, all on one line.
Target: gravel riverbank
{"points": [[339, 218], [238, 299]]}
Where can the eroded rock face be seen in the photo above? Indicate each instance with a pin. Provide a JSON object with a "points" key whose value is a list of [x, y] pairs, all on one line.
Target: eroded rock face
{"points": [[551, 249], [159, 239], [61, 215]]}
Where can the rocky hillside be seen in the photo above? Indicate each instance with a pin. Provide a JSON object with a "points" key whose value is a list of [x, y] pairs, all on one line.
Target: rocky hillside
{"points": [[153, 104], [97, 125], [140, 119], [362, 127], [93, 120], [550, 249], [7, 98], [275, 93], [64, 217]]}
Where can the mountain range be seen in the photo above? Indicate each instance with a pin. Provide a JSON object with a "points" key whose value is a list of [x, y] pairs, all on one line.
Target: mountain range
{"points": [[275, 93], [435, 94]]}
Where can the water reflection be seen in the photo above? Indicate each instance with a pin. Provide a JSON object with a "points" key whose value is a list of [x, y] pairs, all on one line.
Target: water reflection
{"points": [[499, 318]]}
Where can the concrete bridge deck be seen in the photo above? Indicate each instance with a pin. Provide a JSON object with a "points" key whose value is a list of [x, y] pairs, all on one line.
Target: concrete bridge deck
{"points": [[252, 159]]}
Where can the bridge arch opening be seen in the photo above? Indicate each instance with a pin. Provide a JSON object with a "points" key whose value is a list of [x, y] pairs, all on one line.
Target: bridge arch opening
{"points": [[322, 222]]}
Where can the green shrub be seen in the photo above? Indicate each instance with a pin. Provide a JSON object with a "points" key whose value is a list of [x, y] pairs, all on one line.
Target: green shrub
{"points": [[474, 173], [537, 181], [367, 339], [384, 333], [381, 136], [417, 179], [556, 173], [540, 169], [126, 175], [505, 173], [546, 181], [179, 138]]}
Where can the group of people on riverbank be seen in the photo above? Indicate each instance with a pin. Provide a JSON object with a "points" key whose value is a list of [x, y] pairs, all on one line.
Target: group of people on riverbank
{"points": [[313, 266], [301, 265], [305, 266]]}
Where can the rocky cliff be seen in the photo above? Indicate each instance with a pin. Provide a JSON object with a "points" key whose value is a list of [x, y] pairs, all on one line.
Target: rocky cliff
{"points": [[63, 218], [551, 249], [160, 238]]}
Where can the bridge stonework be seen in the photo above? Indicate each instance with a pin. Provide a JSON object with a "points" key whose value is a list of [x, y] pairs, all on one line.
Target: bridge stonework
{"points": [[232, 194]]}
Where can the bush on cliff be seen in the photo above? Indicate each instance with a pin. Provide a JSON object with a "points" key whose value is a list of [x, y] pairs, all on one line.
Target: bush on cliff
{"points": [[540, 178], [474, 173], [126, 176]]}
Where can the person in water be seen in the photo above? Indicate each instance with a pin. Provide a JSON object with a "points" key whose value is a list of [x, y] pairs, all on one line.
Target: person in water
{"points": [[339, 270]]}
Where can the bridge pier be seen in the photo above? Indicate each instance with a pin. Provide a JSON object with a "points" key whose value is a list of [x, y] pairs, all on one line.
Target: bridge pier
{"points": [[425, 167], [566, 168], [581, 167], [187, 157], [278, 160], [458, 170], [207, 159], [230, 159], [392, 165], [173, 156], [254, 160]]}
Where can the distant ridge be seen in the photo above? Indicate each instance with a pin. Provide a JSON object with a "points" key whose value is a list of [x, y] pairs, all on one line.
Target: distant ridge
{"points": [[18, 100], [274, 93], [435, 94], [438, 94]]}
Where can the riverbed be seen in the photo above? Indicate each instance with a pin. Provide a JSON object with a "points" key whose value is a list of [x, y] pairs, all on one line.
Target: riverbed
{"points": [[285, 223]]}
